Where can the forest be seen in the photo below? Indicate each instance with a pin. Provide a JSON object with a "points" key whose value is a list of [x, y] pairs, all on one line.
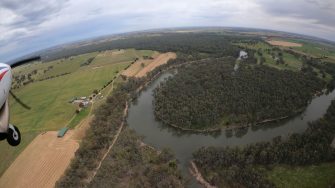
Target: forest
{"points": [[133, 165], [239, 166], [196, 45], [159, 169], [210, 94]]}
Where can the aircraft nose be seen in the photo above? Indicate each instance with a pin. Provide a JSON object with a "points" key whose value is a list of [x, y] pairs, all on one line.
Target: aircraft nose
{"points": [[5, 65]]}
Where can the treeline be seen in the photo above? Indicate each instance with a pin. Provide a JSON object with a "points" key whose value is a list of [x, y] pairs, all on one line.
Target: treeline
{"points": [[107, 120], [237, 166], [131, 164], [87, 62], [211, 94], [309, 63], [108, 117], [193, 44]]}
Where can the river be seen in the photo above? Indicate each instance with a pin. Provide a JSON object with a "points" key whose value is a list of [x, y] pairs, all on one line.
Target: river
{"points": [[183, 144]]}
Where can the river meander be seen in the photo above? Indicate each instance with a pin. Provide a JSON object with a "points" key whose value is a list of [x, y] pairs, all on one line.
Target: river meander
{"points": [[184, 143]]}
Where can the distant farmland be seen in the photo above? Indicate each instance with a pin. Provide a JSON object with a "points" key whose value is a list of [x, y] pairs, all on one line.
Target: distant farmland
{"points": [[284, 43], [49, 98]]}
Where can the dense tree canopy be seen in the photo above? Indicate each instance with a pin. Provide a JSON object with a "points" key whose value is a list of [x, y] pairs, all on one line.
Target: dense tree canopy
{"points": [[211, 94], [194, 44], [236, 166]]}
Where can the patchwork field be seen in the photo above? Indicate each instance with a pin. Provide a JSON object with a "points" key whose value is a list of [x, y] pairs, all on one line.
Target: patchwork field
{"points": [[284, 43], [142, 67], [42, 163], [48, 99], [160, 60], [266, 51]]}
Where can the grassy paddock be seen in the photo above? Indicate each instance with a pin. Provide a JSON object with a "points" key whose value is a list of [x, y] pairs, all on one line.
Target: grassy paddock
{"points": [[310, 176], [78, 117], [49, 98]]}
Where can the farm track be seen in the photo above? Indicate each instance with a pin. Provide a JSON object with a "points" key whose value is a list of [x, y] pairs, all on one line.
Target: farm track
{"points": [[46, 158], [110, 146]]}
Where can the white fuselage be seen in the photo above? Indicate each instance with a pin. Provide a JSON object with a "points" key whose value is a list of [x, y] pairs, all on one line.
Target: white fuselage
{"points": [[5, 86]]}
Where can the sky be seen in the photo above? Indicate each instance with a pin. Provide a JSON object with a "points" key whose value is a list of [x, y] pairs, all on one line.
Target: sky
{"points": [[28, 26]]}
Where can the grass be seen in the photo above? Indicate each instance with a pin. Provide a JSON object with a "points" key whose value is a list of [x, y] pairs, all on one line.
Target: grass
{"points": [[316, 49], [60, 66], [49, 98], [293, 63], [303, 177], [128, 55], [78, 117]]}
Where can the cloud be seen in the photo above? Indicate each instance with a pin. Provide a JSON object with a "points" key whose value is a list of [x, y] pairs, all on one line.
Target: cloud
{"points": [[319, 12], [32, 25], [32, 13]]}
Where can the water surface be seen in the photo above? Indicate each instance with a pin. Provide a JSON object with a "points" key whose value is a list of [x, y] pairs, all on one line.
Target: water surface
{"points": [[183, 144]]}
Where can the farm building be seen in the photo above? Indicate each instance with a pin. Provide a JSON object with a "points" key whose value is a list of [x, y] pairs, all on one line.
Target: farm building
{"points": [[62, 132]]}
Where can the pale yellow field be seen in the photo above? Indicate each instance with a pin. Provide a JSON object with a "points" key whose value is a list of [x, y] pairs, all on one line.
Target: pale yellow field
{"points": [[284, 43], [142, 67], [42, 163]]}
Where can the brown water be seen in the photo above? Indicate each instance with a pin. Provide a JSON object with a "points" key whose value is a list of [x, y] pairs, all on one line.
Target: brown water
{"points": [[183, 144]]}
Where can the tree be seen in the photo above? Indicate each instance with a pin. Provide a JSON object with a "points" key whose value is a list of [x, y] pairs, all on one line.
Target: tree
{"points": [[95, 91]]}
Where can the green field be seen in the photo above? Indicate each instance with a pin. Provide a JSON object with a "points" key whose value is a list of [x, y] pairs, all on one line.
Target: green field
{"points": [[78, 117], [49, 98], [316, 49], [291, 63], [120, 56], [60, 66], [303, 177]]}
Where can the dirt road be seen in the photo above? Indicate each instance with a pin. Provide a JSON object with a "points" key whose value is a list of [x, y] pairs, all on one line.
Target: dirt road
{"points": [[46, 158]]}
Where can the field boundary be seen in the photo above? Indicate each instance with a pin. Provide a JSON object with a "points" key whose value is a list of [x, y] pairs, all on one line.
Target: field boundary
{"points": [[125, 112]]}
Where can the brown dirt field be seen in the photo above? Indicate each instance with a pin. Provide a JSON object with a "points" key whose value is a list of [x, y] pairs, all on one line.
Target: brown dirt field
{"points": [[138, 71], [135, 68], [159, 60], [42, 163], [284, 43]]}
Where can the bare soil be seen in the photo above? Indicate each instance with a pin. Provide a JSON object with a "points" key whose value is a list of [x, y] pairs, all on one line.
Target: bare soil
{"points": [[198, 176], [138, 70], [42, 163], [136, 67], [284, 43], [159, 60]]}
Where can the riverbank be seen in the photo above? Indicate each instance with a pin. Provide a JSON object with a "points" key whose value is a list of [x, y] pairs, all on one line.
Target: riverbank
{"points": [[198, 176], [182, 102], [228, 128], [184, 143]]}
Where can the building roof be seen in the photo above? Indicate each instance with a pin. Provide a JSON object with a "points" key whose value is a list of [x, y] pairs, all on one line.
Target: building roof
{"points": [[62, 132]]}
